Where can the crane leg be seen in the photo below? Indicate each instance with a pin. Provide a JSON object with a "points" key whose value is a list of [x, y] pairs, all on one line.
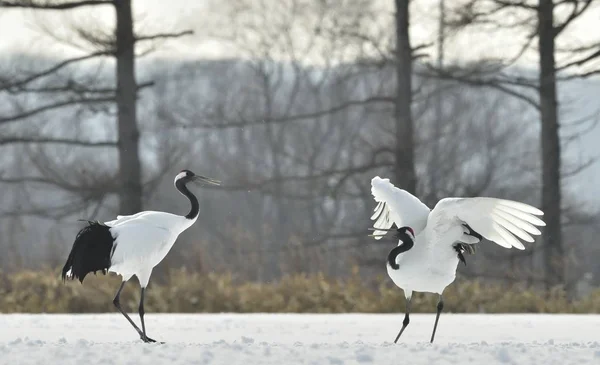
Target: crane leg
{"points": [[141, 311], [440, 307], [117, 304], [406, 319]]}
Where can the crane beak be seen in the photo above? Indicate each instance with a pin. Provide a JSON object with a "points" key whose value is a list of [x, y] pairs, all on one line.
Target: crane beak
{"points": [[380, 229], [207, 180]]}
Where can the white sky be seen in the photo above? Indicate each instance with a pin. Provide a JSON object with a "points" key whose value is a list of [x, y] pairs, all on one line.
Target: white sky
{"points": [[25, 33], [21, 31]]}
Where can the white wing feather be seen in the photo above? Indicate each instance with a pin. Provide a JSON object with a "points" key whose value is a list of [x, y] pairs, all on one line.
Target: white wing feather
{"points": [[124, 218], [160, 219], [147, 237], [142, 240], [396, 206], [139, 247], [498, 220]]}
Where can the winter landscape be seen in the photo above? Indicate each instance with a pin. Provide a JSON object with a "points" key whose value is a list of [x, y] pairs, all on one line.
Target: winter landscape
{"points": [[301, 339], [281, 181]]}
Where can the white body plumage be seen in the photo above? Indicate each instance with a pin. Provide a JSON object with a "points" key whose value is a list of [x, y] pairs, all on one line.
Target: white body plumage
{"points": [[424, 268], [142, 240], [428, 253], [132, 245], [430, 266]]}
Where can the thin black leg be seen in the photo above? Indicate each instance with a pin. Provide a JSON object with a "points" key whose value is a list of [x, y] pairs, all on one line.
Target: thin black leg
{"points": [[118, 305], [440, 307], [406, 319], [141, 311]]}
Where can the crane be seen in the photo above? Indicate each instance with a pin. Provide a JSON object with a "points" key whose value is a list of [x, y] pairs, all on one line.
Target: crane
{"points": [[132, 244], [432, 242]]}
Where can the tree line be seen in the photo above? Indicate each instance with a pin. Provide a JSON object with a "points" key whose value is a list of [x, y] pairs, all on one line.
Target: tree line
{"points": [[319, 97]]}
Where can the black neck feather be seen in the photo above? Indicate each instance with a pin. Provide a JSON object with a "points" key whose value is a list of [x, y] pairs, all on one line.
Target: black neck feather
{"points": [[180, 185], [407, 244]]}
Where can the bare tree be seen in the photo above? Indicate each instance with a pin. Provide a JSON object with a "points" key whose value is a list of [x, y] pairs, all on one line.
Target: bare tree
{"points": [[126, 95], [121, 46], [295, 124], [405, 150], [537, 20]]}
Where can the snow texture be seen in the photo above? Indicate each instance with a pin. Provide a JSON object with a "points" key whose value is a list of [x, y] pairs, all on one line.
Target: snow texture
{"points": [[300, 339]]}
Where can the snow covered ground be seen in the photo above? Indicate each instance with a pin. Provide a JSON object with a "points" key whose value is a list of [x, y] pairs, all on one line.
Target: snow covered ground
{"points": [[300, 339]]}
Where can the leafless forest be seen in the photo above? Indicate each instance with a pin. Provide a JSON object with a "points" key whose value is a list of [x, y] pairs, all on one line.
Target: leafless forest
{"points": [[299, 105]]}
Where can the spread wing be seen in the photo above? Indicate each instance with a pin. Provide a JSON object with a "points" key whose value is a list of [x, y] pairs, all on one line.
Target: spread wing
{"points": [[501, 221], [398, 206]]}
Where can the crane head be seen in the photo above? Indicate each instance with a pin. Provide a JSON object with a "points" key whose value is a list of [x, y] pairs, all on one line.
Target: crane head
{"points": [[403, 232], [186, 176]]}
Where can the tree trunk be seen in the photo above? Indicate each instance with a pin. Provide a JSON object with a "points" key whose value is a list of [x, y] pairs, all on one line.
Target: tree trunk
{"points": [[130, 195], [404, 161], [438, 123], [278, 237], [550, 143]]}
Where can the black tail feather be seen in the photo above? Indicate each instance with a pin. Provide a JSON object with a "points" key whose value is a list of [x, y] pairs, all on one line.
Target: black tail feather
{"points": [[91, 251]]}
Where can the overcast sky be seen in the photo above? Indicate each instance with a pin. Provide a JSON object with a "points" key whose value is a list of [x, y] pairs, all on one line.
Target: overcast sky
{"points": [[25, 33], [21, 31]]}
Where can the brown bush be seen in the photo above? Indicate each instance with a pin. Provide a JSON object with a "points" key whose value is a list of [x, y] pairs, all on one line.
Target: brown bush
{"points": [[188, 292]]}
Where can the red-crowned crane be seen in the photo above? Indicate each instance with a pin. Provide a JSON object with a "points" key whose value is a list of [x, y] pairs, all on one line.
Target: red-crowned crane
{"points": [[132, 244], [431, 242]]}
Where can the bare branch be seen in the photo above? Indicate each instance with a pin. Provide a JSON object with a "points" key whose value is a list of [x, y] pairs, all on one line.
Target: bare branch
{"points": [[468, 14], [61, 184], [69, 87], [53, 106], [74, 87], [163, 35], [52, 5], [581, 61], [298, 117], [582, 75], [518, 4], [25, 179], [51, 140], [578, 49], [49, 71], [579, 168], [576, 11], [493, 83]]}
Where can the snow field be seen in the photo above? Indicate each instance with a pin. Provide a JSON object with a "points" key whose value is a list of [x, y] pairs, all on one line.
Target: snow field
{"points": [[300, 339]]}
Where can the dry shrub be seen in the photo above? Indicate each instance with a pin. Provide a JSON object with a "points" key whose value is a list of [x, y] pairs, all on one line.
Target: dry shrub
{"points": [[189, 292]]}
